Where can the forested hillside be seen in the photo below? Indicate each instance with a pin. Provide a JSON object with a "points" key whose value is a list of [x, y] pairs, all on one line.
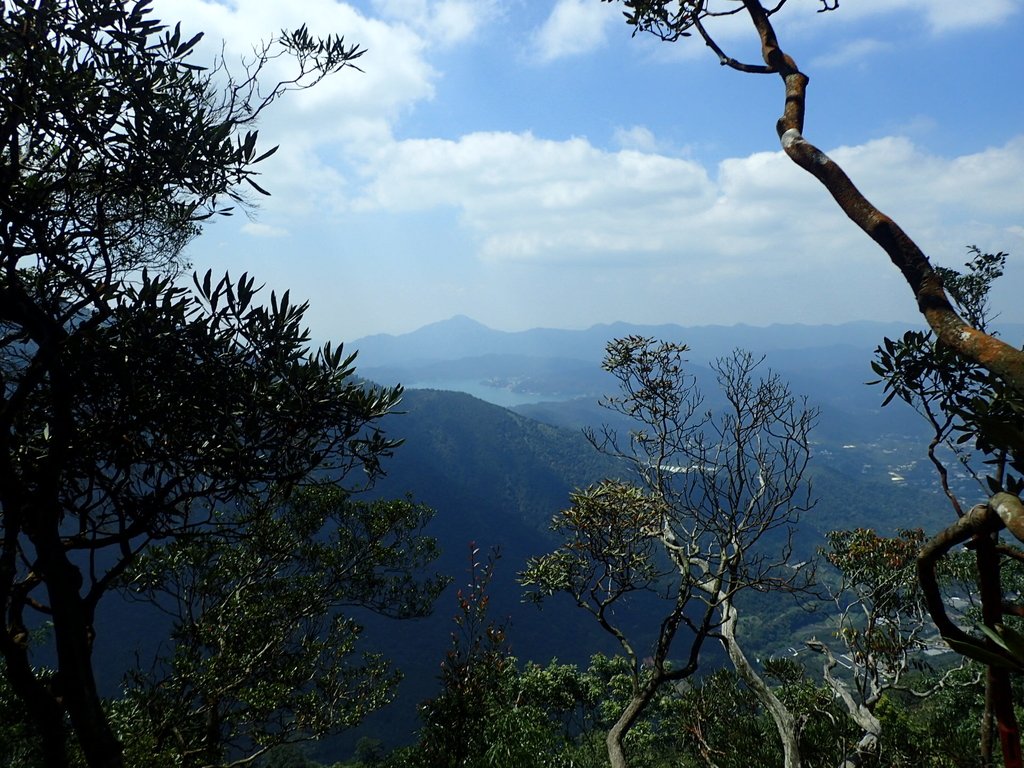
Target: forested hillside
{"points": [[497, 478]]}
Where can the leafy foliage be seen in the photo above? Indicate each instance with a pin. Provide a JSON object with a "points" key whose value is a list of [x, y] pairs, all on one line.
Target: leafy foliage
{"points": [[454, 731], [290, 572], [609, 549], [132, 407], [879, 575], [488, 712], [965, 403]]}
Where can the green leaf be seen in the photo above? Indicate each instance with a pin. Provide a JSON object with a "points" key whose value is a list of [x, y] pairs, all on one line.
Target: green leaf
{"points": [[256, 186], [1013, 641], [978, 652], [266, 154]]}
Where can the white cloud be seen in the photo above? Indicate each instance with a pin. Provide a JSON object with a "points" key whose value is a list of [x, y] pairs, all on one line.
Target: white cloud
{"points": [[941, 193], [855, 52], [350, 109], [939, 16], [952, 15], [526, 199], [344, 106], [636, 137], [574, 27], [442, 21], [257, 229], [872, 19], [492, 213]]}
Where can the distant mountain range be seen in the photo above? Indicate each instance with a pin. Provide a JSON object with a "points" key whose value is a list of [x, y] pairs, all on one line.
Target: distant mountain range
{"points": [[462, 337], [525, 367], [555, 375]]}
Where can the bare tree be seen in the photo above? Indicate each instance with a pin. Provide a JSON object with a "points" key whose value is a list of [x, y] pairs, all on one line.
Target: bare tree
{"points": [[712, 517]]}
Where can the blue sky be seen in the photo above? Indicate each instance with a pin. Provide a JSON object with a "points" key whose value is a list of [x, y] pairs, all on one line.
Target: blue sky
{"points": [[529, 163]]}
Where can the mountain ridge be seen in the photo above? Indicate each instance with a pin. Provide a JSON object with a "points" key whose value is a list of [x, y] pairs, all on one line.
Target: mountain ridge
{"points": [[461, 336]]}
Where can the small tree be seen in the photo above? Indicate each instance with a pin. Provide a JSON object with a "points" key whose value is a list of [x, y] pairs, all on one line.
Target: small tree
{"points": [[882, 624], [489, 711], [713, 518], [131, 407], [609, 551], [264, 652], [455, 721]]}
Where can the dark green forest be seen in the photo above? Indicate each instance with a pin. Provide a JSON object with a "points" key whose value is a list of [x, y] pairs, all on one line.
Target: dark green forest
{"points": [[225, 545]]}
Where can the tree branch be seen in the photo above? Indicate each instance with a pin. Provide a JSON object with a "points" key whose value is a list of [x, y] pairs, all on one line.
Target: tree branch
{"points": [[989, 351]]}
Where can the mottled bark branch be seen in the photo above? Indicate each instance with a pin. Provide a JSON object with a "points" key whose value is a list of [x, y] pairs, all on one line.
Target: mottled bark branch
{"points": [[980, 523], [1011, 513], [988, 351], [617, 733], [783, 718], [726, 60], [860, 713], [980, 519]]}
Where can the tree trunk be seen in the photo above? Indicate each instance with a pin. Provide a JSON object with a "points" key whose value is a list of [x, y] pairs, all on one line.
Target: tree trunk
{"points": [[998, 693], [987, 727], [617, 733], [780, 714], [42, 709], [861, 714], [72, 631]]}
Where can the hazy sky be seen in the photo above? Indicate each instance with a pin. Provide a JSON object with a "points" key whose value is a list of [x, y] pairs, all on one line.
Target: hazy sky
{"points": [[529, 163]]}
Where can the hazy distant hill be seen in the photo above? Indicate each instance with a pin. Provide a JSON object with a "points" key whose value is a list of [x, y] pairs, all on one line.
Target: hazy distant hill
{"points": [[495, 478], [461, 337], [515, 369], [547, 364], [554, 376], [497, 466]]}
